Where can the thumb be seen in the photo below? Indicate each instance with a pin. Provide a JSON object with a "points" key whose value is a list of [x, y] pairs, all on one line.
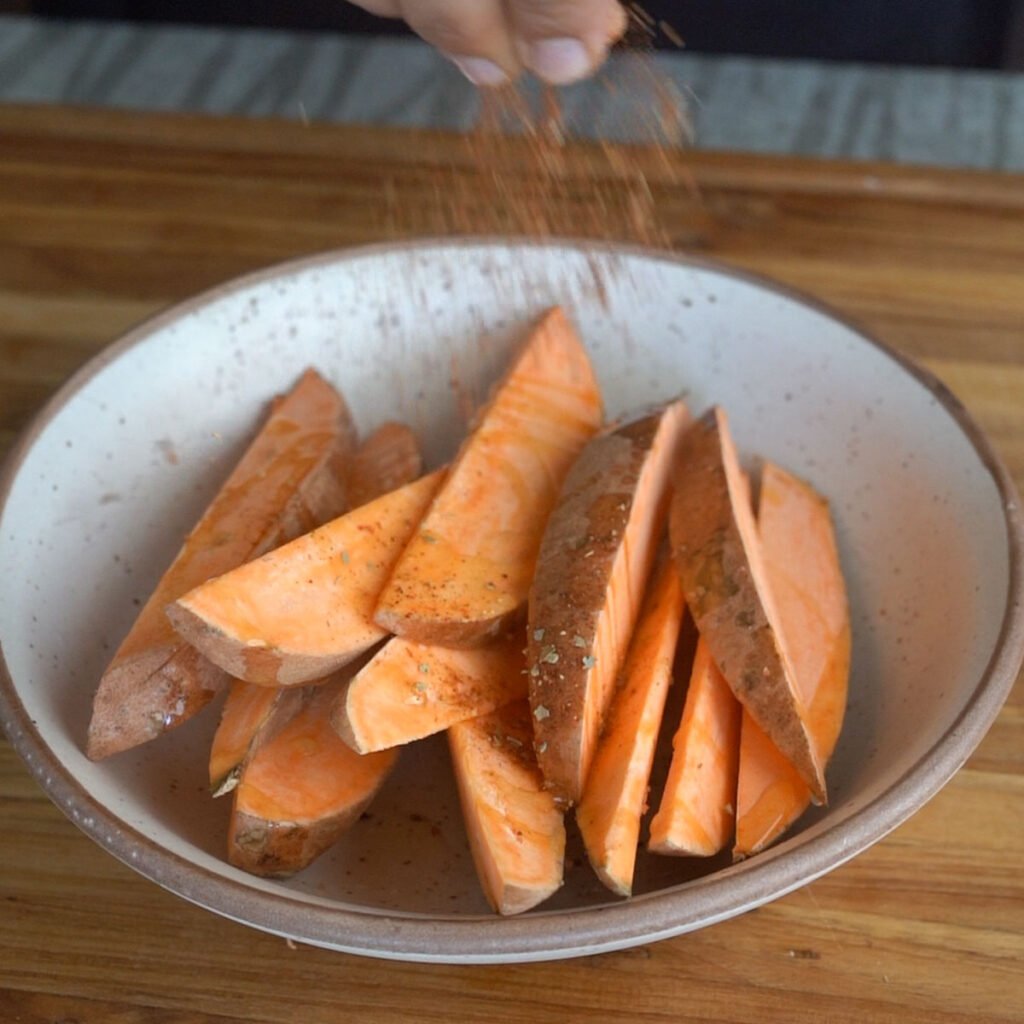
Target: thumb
{"points": [[562, 41]]}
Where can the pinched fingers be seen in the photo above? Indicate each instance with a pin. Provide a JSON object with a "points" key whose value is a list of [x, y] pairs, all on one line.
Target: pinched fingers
{"points": [[491, 41], [562, 41]]}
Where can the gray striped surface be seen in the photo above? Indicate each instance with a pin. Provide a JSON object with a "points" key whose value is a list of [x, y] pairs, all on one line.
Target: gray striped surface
{"points": [[938, 117]]}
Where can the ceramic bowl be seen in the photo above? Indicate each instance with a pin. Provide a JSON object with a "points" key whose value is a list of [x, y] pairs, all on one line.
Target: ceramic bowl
{"points": [[100, 491]]}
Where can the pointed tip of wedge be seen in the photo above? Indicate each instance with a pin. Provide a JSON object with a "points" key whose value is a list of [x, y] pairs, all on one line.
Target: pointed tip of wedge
{"points": [[226, 784], [611, 880], [517, 899], [341, 723]]}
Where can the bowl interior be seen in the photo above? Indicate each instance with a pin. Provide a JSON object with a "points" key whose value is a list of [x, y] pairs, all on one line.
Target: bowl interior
{"points": [[114, 479]]}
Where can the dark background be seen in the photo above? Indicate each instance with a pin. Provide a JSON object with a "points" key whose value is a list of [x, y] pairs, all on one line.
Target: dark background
{"points": [[951, 33]]}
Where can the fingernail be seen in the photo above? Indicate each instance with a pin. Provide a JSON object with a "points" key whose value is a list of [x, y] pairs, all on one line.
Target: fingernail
{"points": [[480, 71], [559, 61]]}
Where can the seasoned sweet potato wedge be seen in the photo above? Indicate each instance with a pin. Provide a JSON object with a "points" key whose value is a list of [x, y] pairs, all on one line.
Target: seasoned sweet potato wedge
{"points": [[516, 832], [806, 580], [467, 569], [291, 477], [387, 459], [302, 611], [697, 813], [718, 552], [301, 790], [594, 562], [615, 796], [409, 690]]}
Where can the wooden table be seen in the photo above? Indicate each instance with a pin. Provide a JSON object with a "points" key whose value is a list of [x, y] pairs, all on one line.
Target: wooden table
{"points": [[106, 217]]}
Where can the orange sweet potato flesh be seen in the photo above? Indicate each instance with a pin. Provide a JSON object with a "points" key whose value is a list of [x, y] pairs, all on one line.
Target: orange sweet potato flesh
{"points": [[301, 790], [408, 691], [466, 572], [301, 612], [594, 562], [718, 553], [697, 812], [247, 711], [615, 795], [516, 831], [291, 477], [806, 580], [389, 458], [770, 795]]}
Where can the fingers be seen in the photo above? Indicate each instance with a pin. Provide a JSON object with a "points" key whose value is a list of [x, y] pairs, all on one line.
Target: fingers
{"points": [[382, 8], [562, 41], [472, 33]]}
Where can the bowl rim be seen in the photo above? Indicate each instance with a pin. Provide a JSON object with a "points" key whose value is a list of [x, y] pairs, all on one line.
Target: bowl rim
{"points": [[542, 935]]}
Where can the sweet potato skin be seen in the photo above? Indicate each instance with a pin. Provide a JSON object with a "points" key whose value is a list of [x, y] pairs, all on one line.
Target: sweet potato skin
{"points": [[572, 665], [143, 699], [291, 477], [279, 849], [726, 592]]}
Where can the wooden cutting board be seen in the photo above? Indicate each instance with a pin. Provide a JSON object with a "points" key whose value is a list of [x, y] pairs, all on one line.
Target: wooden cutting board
{"points": [[106, 217]]}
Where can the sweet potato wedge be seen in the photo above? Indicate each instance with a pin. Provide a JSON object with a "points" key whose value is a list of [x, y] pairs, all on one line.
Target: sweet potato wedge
{"points": [[718, 552], [467, 569], [389, 458], [697, 813], [303, 611], [247, 715], [806, 581], [615, 796], [300, 790], [409, 690], [770, 795], [516, 832], [291, 477], [594, 562]]}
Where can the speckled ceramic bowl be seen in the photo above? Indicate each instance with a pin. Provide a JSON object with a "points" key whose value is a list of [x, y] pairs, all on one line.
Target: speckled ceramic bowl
{"points": [[99, 493]]}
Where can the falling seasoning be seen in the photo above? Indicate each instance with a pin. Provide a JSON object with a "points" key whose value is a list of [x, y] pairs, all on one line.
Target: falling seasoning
{"points": [[533, 170]]}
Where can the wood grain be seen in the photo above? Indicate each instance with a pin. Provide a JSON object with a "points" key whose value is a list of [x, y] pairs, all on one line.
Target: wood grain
{"points": [[105, 218]]}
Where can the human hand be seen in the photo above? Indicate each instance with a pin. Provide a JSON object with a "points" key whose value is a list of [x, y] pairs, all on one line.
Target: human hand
{"points": [[492, 41]]}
